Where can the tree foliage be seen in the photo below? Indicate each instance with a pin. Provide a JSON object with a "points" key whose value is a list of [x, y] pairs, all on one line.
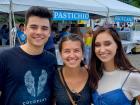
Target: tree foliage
{"points": [[135, 3]]}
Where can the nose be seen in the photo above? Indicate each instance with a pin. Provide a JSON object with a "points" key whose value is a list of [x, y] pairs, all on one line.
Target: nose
{"points": [[72, 54], [39, 30], [102, 48]]}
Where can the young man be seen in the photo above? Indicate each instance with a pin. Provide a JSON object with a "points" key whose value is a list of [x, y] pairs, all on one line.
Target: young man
{"points": [[26, 72]]}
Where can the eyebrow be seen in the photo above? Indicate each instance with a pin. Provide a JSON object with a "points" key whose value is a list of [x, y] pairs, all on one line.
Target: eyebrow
{"points": [[34, 25], [70, 49], [107, 41], [104, 41], [45, 27]]}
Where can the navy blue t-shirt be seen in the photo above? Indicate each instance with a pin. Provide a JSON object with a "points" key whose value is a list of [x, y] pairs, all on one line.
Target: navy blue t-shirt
{"points": [[26, 79]]}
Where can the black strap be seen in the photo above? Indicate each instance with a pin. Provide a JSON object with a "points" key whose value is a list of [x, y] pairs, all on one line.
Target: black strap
{"points": [[65, 82], [69, 95], [125, 79]]}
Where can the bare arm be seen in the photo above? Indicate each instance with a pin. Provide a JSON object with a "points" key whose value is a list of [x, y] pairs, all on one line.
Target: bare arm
{"points": [[138, 98]]}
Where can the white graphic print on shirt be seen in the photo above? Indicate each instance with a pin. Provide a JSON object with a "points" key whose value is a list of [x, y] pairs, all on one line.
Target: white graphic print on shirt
{"points": [[30, 83]]}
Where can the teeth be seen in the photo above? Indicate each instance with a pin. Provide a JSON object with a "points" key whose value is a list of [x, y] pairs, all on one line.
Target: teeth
{"points": [[72, 61], [105, 55], [38, 38]]}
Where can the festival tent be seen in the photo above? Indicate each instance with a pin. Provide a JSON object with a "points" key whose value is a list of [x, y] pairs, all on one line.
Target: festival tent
{"points": [[100, 7], [13, 6], [89, 6], [116, 7]]}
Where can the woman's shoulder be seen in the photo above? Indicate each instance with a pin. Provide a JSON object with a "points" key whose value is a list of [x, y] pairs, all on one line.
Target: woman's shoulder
{"points": [[131, 77], [132, 84], [135, 75]]}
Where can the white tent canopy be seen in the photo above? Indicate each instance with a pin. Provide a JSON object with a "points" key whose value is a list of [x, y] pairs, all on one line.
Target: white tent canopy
{"points": [[100, 7], [119, 8], [5, 6], [10, 6], [89, 6]]}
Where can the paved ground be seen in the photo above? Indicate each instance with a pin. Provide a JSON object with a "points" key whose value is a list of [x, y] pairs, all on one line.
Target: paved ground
{"points": [[135, 60]]}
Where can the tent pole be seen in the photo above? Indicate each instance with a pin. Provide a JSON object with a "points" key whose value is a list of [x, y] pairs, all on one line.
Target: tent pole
{"points": [[14, 25], [10, 25], [12, 31], [107, 16]]}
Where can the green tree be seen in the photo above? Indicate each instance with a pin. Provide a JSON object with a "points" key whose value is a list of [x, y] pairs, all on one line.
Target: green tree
{"points": [[135, 3], [19, 19]]}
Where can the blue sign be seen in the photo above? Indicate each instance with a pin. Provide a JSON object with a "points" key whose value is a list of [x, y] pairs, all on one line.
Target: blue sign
{"points": [[70, 15], [124, 19]]}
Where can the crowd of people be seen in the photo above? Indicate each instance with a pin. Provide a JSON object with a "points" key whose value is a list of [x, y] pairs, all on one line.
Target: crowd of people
{"points": [[29, 74]]}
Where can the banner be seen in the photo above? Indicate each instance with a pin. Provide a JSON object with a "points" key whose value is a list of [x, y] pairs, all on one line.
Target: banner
{"points": [[123, 19], [70, 15]]}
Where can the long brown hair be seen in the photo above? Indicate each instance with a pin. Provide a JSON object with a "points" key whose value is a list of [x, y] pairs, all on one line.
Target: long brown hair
{"points": [[95, 66]]}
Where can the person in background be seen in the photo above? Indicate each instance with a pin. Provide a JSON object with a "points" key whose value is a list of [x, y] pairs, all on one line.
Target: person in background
{"points": [[50, 45], [65, 32], [26, 72], [0, 38], [122, 27], [96, 27], [21, 37], [126, 28], [116, 27], [71, 80], [88, 41], [61, 33], [4, 31], [112, 77]]}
